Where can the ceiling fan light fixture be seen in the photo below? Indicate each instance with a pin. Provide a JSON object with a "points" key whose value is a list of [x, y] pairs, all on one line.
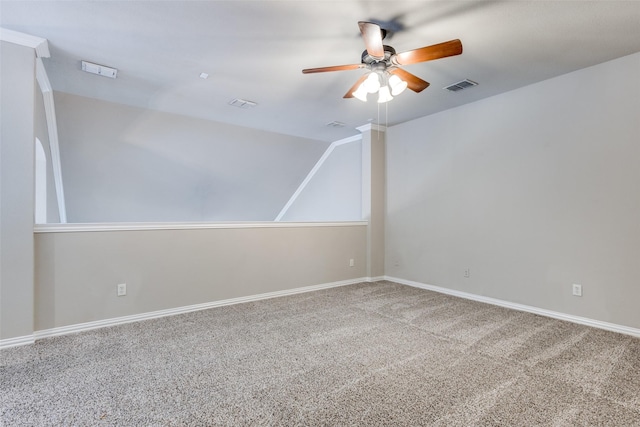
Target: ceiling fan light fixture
{"points": [[361, 93], [397, 85], [384, 95], [381, 61], [372, 83]]}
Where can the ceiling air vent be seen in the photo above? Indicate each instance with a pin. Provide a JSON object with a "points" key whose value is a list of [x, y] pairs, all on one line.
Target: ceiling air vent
{"points": [[242, 103], [98, 69], [335, 124], [456, 87]]}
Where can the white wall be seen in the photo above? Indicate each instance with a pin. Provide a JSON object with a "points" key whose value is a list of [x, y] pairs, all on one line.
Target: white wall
{"points": [[533, 190], [126, 164], [334, 191], [17, 89]]}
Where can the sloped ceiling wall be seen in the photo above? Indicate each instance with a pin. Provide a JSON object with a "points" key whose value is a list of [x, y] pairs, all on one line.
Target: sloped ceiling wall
{"points": [[334, 193], [128, 164]]}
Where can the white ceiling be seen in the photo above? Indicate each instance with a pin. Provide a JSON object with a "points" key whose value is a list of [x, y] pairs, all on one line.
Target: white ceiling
{"points": [[256, 50]]}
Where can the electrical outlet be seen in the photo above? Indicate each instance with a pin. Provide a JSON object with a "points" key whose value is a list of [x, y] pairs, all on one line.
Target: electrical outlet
{"points": [[577, 290], [122, 289], [351, 262], [467, 272]]}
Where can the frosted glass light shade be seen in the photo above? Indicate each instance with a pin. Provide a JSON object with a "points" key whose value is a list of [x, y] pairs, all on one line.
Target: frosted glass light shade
{"points": [[384, 95], [372, 83], [360, 93], [397, 85]]}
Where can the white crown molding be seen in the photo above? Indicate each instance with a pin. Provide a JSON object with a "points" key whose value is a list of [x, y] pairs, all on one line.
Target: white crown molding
{"points": [[52, 128], [40, 45], [137, 226], [81, 327], [314, 170], [371, 126], [521, 307]]}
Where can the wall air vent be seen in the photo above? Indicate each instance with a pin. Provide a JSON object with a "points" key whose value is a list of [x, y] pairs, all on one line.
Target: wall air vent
{"points": [[242, 103], [456, 87], [98, 69]]}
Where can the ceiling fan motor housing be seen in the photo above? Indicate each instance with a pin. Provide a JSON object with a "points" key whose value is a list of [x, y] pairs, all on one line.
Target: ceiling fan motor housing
{"points": [[373, 62]]}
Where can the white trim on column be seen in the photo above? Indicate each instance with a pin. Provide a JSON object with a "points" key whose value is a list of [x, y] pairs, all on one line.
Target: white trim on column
{"points": [[40, 45], [371, 126], [42, 78], [314, 170], [52, 127]]}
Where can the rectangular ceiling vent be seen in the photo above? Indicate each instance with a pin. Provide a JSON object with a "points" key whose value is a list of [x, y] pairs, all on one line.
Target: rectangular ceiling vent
{"points": [[456, 87], [98, 69], [242, 103]]}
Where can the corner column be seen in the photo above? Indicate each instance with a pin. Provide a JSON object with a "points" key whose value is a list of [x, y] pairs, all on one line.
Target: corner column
{"points": [[17, 184], [374, 196]]}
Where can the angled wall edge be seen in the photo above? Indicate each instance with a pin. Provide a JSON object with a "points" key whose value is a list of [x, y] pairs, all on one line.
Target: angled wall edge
{"points": [[315, 170], [40, 45]]}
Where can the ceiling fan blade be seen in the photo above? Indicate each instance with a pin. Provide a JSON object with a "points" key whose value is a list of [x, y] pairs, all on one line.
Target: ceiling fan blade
{"points": [[429, 53], [333, 68], [372, 36], [414, 82], [349, 93]]}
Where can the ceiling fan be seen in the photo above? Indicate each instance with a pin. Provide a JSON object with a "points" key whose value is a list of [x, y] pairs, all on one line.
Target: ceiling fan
{"points": [[385, 75]]}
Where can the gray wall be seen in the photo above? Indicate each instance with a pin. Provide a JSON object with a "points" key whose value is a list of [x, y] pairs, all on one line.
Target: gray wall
{"points": [[17, 94], [334, 192], [77, 273], [533, 190], [126, 164]]}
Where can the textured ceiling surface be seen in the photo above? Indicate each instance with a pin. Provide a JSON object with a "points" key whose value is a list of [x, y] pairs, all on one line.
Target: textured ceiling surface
{"points": [[256, 50]]}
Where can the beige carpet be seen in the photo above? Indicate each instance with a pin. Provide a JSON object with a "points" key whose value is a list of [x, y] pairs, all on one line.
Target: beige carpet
{"points": [[367, 354]]}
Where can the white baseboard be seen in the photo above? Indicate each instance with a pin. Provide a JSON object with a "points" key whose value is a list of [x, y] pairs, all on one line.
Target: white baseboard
{"points": [[14, 342], [521, 307], [64, 330], [81, 327]]}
